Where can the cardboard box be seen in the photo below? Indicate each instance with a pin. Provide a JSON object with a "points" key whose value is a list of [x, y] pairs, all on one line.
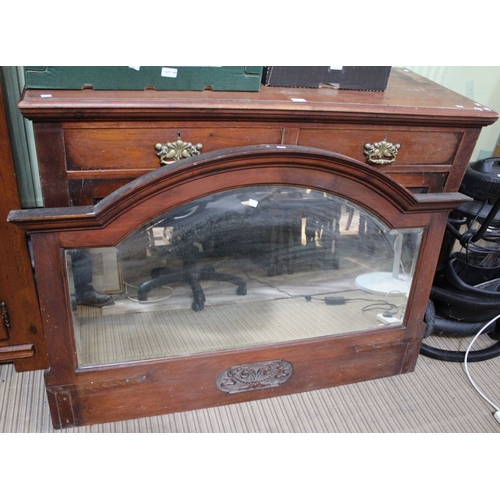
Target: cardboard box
{"points": [[228, 78], [372, 78]]}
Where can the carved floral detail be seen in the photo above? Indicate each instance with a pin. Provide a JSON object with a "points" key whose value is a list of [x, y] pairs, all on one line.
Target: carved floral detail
{"points": [[254, 376]]}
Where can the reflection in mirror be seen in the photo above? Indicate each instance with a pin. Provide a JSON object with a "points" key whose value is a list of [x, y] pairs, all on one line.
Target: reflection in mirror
{"points": [[244, 267]]}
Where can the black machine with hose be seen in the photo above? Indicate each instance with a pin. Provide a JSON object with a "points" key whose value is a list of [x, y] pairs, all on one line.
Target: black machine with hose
{"points": [[465, 296]]}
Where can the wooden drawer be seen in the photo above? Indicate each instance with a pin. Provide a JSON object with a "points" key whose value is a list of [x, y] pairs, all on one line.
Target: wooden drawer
{"points": [[100, 157], [424, 159], [131, 146], [96, 158], [418, 146]]}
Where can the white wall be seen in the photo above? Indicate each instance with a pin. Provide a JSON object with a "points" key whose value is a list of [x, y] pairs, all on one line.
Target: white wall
{"points": [[479, 83]]}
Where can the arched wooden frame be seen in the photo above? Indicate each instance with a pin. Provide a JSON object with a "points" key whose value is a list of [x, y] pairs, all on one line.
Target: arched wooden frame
{"points": [[87, 395]]}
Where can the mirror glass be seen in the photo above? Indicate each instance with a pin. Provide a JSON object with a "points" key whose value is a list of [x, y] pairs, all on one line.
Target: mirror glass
{"points": [[239, 268]]}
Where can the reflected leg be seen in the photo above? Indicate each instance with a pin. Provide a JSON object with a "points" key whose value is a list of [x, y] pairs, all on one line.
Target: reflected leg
{"points": [[86, 295]]}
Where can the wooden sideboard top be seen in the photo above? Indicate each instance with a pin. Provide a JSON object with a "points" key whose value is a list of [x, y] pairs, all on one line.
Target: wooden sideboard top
{"points": [[408, 98]]}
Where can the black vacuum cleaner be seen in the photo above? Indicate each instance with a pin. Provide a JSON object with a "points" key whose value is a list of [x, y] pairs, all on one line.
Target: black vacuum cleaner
{"points": [[465, 295]]}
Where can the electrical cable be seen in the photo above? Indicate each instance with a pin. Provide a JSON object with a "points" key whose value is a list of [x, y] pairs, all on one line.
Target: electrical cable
{"points": [[496, 414], [272, 286], [149, 301], [487, 222], [388, 306]]}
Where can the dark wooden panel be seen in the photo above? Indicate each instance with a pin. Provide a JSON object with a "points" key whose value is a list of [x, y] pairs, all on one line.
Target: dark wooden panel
{"points": [[23, 341]]}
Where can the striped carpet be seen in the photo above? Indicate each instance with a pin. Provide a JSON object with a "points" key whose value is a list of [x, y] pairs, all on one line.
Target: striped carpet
{"points": [[436, 398]]}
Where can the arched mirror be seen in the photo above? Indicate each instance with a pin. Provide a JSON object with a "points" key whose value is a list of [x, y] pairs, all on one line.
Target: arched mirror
{"points": [[242, 267]]}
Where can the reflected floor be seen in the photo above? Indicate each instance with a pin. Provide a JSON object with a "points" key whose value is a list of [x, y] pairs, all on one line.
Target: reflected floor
{"points": [[275, 309]]}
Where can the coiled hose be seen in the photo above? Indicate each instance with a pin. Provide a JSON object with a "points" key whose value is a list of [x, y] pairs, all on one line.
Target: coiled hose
{"points": [[456, 328]]}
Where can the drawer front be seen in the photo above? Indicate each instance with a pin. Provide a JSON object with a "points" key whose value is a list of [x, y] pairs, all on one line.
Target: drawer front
{"points": [[417, 147], [99, 157], [133, 147]]}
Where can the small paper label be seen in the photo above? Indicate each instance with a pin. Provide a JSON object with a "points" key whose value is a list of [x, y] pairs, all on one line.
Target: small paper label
{"points": [[169, 72], [336, 68], [253, 203], [298, 100]]}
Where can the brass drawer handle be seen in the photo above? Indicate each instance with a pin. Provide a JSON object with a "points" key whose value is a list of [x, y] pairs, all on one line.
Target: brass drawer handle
{"points": [[382, 153], [173, 151]]}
